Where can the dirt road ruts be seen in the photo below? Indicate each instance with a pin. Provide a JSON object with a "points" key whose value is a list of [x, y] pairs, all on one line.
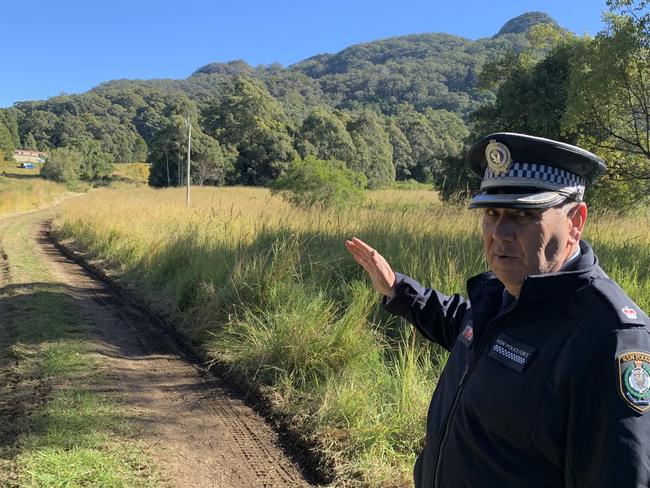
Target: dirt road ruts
{"points": [[202, 434]]}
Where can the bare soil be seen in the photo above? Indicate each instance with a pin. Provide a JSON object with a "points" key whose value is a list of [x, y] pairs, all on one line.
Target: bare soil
{"points": [[200, 431]]}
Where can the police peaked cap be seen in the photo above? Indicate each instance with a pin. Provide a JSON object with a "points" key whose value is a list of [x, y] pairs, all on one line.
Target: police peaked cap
{"points": [[522, 171]]}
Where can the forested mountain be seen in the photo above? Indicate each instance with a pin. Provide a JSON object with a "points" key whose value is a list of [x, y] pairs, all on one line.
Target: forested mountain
{"points": [[393, 108], [396, 108], [439, 71]]}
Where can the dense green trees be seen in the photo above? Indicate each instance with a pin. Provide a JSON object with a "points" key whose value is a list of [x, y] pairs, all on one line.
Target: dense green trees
{"points": [[250, 120], [6, 144], [532, 96], [425, 70], [373, 152], [396, 109], [30, 142], [610, 88], [62, 165], [590, 92], [167, 152], [610, 101], [83, 159], [59, 120], [402, 153], [323, 134], [210, 163], [9, 139], [433, 136], [95, 165], [262, 116]]}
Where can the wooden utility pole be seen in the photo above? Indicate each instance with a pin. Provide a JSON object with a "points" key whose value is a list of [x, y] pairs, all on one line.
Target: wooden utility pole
{"points": [[189, 149]]}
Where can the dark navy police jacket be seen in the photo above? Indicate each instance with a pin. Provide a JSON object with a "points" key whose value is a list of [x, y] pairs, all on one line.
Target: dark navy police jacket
{"points": [[535, 396]]}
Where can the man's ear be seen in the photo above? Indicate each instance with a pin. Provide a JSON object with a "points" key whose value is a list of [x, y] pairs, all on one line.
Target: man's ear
{"points": [[577, 216]]}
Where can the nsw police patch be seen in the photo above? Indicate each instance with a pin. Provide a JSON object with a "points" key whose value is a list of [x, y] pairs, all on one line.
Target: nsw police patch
{"points": [[634, 379]]}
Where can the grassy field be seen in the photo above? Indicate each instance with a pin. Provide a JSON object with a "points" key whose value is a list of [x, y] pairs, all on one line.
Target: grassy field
{"points": [[270, 292], [137, 173], [13, 168], [27, 193], [22, 189], [60, 425]]}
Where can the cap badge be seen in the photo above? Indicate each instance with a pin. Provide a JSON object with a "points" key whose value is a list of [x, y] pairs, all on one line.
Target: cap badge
{"points": [[498, 157], [634, 379]]}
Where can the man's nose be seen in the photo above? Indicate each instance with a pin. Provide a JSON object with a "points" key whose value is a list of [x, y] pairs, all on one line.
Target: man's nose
{"points": [[504, 228]]}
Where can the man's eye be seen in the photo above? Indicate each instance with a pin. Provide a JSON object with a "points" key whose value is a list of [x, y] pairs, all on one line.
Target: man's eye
{"points": [[490, 212]]}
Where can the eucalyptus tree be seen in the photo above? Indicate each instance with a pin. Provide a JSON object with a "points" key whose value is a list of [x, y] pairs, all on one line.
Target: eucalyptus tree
{"points": [[249, 120], [323, 134], [402, 153], [610, 90], [373, 152]]}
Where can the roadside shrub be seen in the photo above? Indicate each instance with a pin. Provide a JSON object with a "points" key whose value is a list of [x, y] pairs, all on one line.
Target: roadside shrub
{"points": [[96, 165], [313, 182], [62, 165]]}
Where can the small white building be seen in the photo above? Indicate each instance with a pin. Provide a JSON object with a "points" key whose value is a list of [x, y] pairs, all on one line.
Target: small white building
{"points": [[28, 156]]}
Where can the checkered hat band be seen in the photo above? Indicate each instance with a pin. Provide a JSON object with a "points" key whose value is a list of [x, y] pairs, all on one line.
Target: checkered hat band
{"points": [[536, 173]]}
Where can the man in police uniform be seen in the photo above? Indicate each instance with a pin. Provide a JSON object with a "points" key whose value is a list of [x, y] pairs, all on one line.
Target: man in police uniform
{"points": [[548, 378]]}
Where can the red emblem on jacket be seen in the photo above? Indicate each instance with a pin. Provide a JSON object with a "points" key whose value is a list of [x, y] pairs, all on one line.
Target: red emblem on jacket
{"points": [[468, 333], [630, 313]]}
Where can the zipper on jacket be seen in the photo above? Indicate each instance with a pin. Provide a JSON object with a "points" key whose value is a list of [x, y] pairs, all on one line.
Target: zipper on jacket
{"points": [[461, 384]]}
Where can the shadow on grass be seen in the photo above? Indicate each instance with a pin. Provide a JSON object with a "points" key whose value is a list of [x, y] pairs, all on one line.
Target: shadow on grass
{"points": [[34, 313], [21, 176], [51, 385]]}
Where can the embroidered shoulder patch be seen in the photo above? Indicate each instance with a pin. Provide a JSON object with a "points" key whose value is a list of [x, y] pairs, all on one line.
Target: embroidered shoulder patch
{"points": [[634, 379]]}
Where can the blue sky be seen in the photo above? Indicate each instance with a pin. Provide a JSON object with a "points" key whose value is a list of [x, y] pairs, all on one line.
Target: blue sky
{"points": [[50, 47]]}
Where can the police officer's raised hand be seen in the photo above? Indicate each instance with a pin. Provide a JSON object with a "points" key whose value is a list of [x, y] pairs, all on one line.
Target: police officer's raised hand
{"points": [[380, 273]]}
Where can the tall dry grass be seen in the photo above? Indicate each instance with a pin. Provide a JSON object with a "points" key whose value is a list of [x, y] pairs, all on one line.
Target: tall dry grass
{"points": [[20, 194], [270, 291], [137, 173]]}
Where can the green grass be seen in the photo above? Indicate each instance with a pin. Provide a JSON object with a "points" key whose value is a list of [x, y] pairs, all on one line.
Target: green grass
{"points": [[270, 292], [71, 441], [13, 168], [65, 430]]}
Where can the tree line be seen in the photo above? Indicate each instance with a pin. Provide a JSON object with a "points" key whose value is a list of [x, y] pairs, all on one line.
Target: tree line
{"points": [[397, 109], [592, 92], [392, 109]]}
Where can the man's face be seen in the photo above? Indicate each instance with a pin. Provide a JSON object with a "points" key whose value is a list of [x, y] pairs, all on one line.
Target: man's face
{"points": [[519, 243]]}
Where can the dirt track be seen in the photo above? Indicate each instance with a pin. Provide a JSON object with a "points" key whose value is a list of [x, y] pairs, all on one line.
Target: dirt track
{"points": [[202, 434]]}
